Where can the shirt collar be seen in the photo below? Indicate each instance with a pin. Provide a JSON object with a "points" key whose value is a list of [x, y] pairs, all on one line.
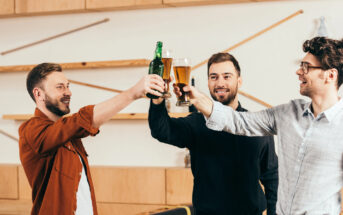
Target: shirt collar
{"points": [[329, 114], [307, 109], [332, 111], [39, 113]]}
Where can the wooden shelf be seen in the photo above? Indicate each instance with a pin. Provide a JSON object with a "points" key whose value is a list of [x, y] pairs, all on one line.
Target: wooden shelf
{"points": [[83, 65], [119, 116]]}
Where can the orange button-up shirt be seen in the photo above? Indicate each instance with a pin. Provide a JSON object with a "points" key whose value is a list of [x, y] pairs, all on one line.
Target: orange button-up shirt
{"points": [[49, 152]]}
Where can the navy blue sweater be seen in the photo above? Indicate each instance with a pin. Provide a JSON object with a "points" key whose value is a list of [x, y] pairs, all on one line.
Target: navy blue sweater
{"points": [[227, 168]]}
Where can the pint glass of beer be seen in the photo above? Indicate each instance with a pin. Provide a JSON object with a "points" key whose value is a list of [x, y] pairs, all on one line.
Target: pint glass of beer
{"points": [[167, 62], [182, 71]]}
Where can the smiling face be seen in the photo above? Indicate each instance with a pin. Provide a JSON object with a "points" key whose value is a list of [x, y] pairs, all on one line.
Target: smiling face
{"points": [[55, 93], [312, 81], [223, 82]]}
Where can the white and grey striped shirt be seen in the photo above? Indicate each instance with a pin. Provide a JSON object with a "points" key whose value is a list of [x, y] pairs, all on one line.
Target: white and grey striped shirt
{"points": [[310, 152]]}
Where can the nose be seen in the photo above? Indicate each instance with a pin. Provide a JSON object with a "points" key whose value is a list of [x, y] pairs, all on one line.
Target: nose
{"points": [[299, 72], [67, 92], [220, 82]]}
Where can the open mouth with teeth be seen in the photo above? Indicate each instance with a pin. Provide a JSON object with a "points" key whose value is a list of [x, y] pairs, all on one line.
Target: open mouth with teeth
{"points": [[66, 101], [221, 91], [303, 82]]}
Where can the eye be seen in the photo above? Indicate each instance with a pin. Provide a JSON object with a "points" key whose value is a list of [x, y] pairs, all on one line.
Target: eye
{"points": [[213, 77]]}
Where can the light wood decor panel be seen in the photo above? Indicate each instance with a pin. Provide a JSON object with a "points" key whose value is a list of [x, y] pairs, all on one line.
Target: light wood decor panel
{"points": [[118, 4], [25, 191], [6, 7], [15, 207], [137, 185], [125, 209], [179, 186], [46, 6], [8, 181], [177, 3]]}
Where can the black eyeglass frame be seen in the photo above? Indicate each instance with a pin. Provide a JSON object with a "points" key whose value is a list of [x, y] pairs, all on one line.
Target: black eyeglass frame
{"points": [[305, 67]]}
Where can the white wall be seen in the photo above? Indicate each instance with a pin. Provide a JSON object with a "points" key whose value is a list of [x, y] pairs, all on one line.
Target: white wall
{"points": [[268, 62]]}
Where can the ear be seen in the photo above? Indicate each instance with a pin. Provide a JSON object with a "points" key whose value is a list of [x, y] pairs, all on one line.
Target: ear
{"points": [[38, 94], [332, 75], [240, 82]]}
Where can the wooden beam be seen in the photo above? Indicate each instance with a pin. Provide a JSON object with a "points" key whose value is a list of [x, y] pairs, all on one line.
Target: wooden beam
{"points": [[54, 36], [83, 65], [119, 116], [9, 135], [253, 36]]}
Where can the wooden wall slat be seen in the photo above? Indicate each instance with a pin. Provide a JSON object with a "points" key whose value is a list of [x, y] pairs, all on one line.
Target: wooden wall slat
{"points": [[129, 184], [83, 65], [25, 191], [179, 186], [6, 7], [44, 6], [119, 116], [8, 181]]}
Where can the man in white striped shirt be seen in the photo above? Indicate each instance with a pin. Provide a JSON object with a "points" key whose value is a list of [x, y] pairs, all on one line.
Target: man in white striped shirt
{"points": [[310, 134]]}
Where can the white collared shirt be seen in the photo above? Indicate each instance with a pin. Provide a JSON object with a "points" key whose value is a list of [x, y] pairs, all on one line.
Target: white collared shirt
{"points": [[310, 152], [83, 195]]}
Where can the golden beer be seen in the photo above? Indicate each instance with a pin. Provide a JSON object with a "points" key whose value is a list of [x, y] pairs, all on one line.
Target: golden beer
{"points": [[167, 62], [182, 75]]}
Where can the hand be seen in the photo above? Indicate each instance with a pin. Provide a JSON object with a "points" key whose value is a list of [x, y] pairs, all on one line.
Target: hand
{"points": [[177, 91], [202, 102], [160, 100], [152, 84]]}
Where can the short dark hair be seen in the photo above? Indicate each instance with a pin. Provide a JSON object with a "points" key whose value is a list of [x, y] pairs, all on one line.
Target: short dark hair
{"points": [[329, 52], [38, 74], [222, 57]]}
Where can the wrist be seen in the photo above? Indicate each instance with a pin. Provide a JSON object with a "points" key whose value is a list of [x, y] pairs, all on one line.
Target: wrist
{"points": [[157, 101]]}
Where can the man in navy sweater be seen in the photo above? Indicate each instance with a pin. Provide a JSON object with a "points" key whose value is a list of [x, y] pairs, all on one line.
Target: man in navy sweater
{"points": [[226, 176]]}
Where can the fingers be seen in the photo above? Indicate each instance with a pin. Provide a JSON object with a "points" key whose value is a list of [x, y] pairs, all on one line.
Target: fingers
{"points": [[154, 83], [177, 90]]}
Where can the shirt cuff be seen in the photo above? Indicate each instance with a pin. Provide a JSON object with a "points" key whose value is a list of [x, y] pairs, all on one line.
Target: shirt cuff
{"points": [[216, 120], [85, 119], [158, 106]]}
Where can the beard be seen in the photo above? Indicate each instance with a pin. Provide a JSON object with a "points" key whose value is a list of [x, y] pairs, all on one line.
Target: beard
{"points": [[52, 105], [225, 100]]}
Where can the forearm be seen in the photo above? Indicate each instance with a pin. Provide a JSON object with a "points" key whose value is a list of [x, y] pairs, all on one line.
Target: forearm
{"points": [[204, 104], [105, 110], [224, 118]]}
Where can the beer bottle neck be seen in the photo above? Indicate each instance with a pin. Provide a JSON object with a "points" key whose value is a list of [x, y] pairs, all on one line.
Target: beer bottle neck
{"points": [[158, 52]]}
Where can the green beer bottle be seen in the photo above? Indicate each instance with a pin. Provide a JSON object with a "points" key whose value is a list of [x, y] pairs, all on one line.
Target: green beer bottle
{"points": [[156, 65]]}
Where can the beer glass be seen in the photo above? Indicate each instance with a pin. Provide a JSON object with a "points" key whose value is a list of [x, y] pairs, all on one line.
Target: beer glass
{"points": [[167, 62], [182, 71]]}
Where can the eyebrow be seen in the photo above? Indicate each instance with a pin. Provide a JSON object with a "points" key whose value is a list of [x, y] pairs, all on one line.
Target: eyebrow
{"points": [[226, 73], [63, 83]]}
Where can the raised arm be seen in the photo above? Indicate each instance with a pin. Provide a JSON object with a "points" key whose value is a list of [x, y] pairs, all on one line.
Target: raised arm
{"points": [[174, 131], [223, 118], [105, 110]]}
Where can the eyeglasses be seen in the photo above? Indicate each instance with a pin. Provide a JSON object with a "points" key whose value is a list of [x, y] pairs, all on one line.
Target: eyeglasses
{"points": [[305, 67]]}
